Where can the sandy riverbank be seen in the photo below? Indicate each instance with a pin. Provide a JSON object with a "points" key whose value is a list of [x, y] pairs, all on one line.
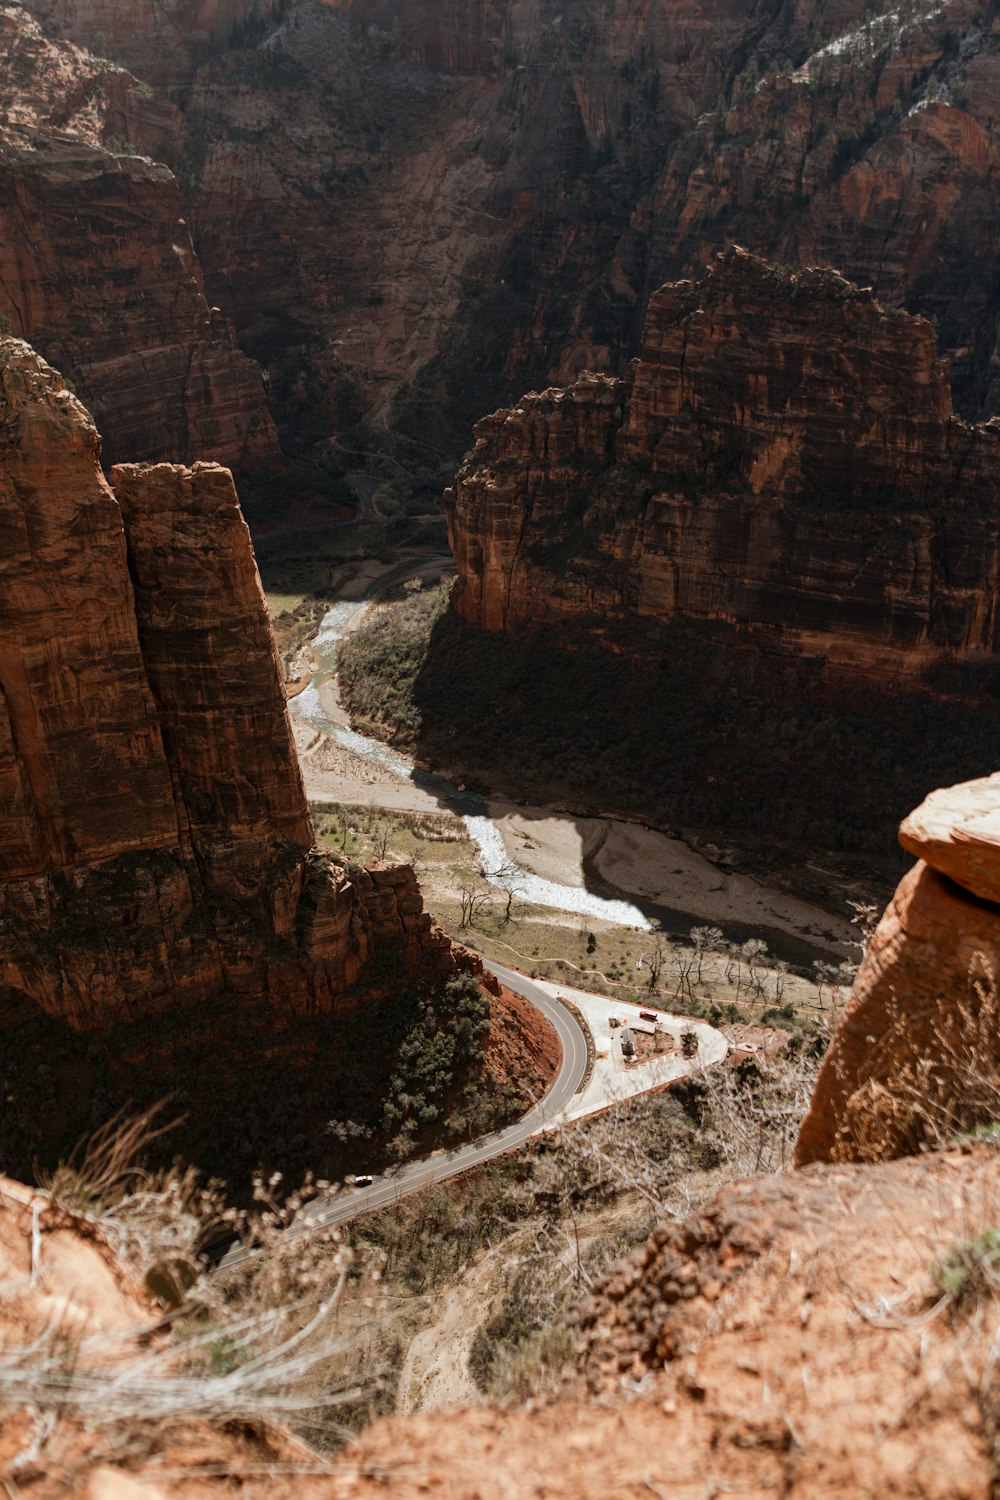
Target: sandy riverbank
{"points": [[634, 861], [665, 872]]}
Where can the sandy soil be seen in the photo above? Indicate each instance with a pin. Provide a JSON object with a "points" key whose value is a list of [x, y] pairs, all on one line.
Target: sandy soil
{"points": [[332, 773], [783, 1344], [435, 1371], [643, 863]]}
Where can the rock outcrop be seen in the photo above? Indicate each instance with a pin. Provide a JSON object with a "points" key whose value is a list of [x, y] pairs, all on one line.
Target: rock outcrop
{"points": [[781, 462], [155, 843], [68, 1288], [916, 1056], [97, 266], [750, 1350]]}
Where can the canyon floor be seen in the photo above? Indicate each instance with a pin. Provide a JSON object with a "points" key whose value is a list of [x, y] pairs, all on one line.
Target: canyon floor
{"points": [[664, 874]]}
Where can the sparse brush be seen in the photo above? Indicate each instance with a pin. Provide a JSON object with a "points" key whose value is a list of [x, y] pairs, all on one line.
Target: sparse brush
{"points": [[271, 1376], [258, 1343], [156, 1221], [911, 1101], [751, 1115], [106, 1166], [971, 1270]]}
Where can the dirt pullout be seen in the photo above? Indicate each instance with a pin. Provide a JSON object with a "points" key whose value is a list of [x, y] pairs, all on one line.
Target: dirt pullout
{"points": [[785, 1342], [660, 870]]}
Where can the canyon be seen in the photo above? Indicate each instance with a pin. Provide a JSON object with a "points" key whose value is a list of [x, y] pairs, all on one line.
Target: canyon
{"points": [[156, 847], [731, 564], [410, 213]]}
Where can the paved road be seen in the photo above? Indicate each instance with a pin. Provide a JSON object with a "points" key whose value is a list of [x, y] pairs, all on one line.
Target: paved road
{"points": [[420, 1174]]}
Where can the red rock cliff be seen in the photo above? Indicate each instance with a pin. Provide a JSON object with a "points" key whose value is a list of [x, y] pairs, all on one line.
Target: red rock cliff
{"points": [[781, 462], [97, 267], [416, 209], [914, 1059], [155, 842]]}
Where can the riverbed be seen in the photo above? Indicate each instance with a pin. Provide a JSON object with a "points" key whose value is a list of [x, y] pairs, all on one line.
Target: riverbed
{"points": [[604, 869]]}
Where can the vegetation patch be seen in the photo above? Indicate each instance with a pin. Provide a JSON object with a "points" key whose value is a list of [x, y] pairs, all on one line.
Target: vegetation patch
{"points": [[259, 1090], [674, 726]]}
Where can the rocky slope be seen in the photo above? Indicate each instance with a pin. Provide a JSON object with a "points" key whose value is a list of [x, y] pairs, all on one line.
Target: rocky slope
{"points": [[156, 845], [97, 267], [751, 1350], [68, 1288], [915, 1056], [785, 1341]]}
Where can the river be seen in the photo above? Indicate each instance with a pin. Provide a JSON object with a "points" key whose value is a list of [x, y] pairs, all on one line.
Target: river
{"points": [[483, 831], [677, 886]]}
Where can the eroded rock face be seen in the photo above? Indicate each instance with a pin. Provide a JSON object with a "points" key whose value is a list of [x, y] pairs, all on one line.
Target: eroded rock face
{"points": [[97, 267], [915, 1055], [155, 842], [782, 461], [416, 209]]}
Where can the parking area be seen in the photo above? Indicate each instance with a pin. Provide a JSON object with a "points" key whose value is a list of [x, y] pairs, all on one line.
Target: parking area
{"points": [[657, 1037]]}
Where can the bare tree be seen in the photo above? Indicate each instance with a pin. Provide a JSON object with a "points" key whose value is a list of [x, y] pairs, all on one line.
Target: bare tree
{"points": [[704, 939], [754, 951], [684, 960], [654, 961], [475, 897], [380, 836], [508, 877], [866, 919]]}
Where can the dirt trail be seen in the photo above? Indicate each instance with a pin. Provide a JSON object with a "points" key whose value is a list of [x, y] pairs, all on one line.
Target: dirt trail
{"points": [[435, 1369]]}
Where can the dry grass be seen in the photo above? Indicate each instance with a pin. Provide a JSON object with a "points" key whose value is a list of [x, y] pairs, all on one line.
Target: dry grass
{"points": [[238, 1348], [910, 1100]]}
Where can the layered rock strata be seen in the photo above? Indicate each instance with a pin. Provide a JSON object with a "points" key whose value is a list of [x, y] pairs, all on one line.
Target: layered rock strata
{"points": [[781, 463], [915, 1057], [155, 843], [97, 266]]}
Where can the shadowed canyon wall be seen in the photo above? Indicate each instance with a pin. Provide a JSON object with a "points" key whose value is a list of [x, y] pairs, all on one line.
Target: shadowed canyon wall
{"points": [[155, 844], [412, 212], [781, 462], [97, 267]]}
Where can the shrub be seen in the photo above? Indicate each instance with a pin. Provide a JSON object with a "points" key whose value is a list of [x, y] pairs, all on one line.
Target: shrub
{"points": [[972, 1269]]}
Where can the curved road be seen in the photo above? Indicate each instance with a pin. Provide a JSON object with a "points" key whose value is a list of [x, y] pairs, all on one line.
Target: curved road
{"points": [[437, 1168]]}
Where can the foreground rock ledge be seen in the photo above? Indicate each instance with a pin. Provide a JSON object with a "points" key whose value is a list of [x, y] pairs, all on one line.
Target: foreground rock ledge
{"points": [[917, 1053], [746, 1350]]}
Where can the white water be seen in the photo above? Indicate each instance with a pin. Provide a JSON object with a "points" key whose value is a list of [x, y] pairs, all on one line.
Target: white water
{"points": [[482, 830], [493, 855]]}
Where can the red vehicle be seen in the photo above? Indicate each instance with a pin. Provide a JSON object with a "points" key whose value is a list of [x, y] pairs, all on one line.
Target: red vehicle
{"points": [[648, 1015]]}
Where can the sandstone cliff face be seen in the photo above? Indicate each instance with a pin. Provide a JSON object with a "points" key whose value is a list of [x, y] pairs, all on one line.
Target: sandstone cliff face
{"points": [[155, 843], [915, 1055], [97, 268], [414, 211], [781, 463], [162, 42]]}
